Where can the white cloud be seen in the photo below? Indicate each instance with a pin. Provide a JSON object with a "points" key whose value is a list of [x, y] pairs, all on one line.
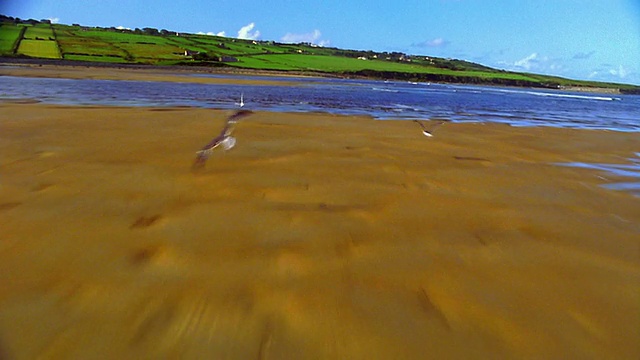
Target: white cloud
{"points": [[536, 63], [312, 37], [528, 62], [245, 32], [620, 72], [557, 68], [437, 42], [221, 33], [54, 20], [211, 33], [612, 73], [122, 28]]}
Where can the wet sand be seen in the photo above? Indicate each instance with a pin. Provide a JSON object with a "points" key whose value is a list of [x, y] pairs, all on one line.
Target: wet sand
{"points": [[317, 236], [182, 74]]}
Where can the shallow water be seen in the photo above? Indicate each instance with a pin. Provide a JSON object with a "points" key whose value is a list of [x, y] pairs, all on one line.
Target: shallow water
{"points": [[379, 99], [622, 177]]}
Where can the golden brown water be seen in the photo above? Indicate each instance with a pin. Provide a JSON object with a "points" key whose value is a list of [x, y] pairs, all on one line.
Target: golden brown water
{"points": [[315, 237]]}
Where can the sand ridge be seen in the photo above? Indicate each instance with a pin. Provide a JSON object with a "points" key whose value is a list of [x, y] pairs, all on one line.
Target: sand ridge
{"points": [[317, 236]]}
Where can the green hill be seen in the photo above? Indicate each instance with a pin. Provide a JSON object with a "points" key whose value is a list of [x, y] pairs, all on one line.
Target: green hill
{"points": [[41, 39]]}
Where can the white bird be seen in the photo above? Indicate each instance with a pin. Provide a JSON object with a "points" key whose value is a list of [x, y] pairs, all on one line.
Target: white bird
{"points": [[241, 103], [224, 138], [426, 131]]}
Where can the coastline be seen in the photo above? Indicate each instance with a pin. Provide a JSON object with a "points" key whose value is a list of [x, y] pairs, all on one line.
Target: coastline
{"points": [[316, 236], [176, 73]]}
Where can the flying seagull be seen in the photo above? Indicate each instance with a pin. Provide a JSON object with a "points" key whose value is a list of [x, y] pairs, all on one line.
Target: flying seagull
{"points": [[224, 138], [241, 103], [426, 131]]}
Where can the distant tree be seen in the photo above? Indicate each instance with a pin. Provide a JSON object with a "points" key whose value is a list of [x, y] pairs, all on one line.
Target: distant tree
{"points": [[150, 31]]}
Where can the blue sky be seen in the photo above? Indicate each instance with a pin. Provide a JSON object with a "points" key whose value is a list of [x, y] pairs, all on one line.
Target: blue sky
{"points": [[581, 39]]}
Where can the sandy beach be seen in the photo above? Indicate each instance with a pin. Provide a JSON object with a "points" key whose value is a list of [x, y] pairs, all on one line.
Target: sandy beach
{"points": [[196, 75], [316, 237]]}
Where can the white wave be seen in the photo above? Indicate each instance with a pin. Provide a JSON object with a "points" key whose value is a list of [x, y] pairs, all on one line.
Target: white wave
{"points": [[572, 96], [383, 89], [560, 95]]}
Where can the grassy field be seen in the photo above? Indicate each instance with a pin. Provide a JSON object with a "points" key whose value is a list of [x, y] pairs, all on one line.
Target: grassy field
{"points": [[154, 47], [344, 64], [9, 36], [323, 63], [40, 31], [74, 46], [39, 41], [39, 48], [134, 47]]}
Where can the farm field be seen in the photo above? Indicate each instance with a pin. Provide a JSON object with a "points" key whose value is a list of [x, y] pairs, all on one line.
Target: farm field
{"points": [[39, 41], [40, 48], [326, 63], [74, 46], [9, 36]]}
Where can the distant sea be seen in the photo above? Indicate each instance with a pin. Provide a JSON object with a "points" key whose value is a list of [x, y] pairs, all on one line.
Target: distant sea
{"points": [[386, 100]]}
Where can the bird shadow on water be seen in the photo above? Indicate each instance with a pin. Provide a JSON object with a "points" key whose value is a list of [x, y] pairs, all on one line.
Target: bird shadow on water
{"points": [[630, 173]]}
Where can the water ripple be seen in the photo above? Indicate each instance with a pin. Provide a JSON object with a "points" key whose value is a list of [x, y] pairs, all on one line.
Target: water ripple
{"points": [[628, 174]]}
